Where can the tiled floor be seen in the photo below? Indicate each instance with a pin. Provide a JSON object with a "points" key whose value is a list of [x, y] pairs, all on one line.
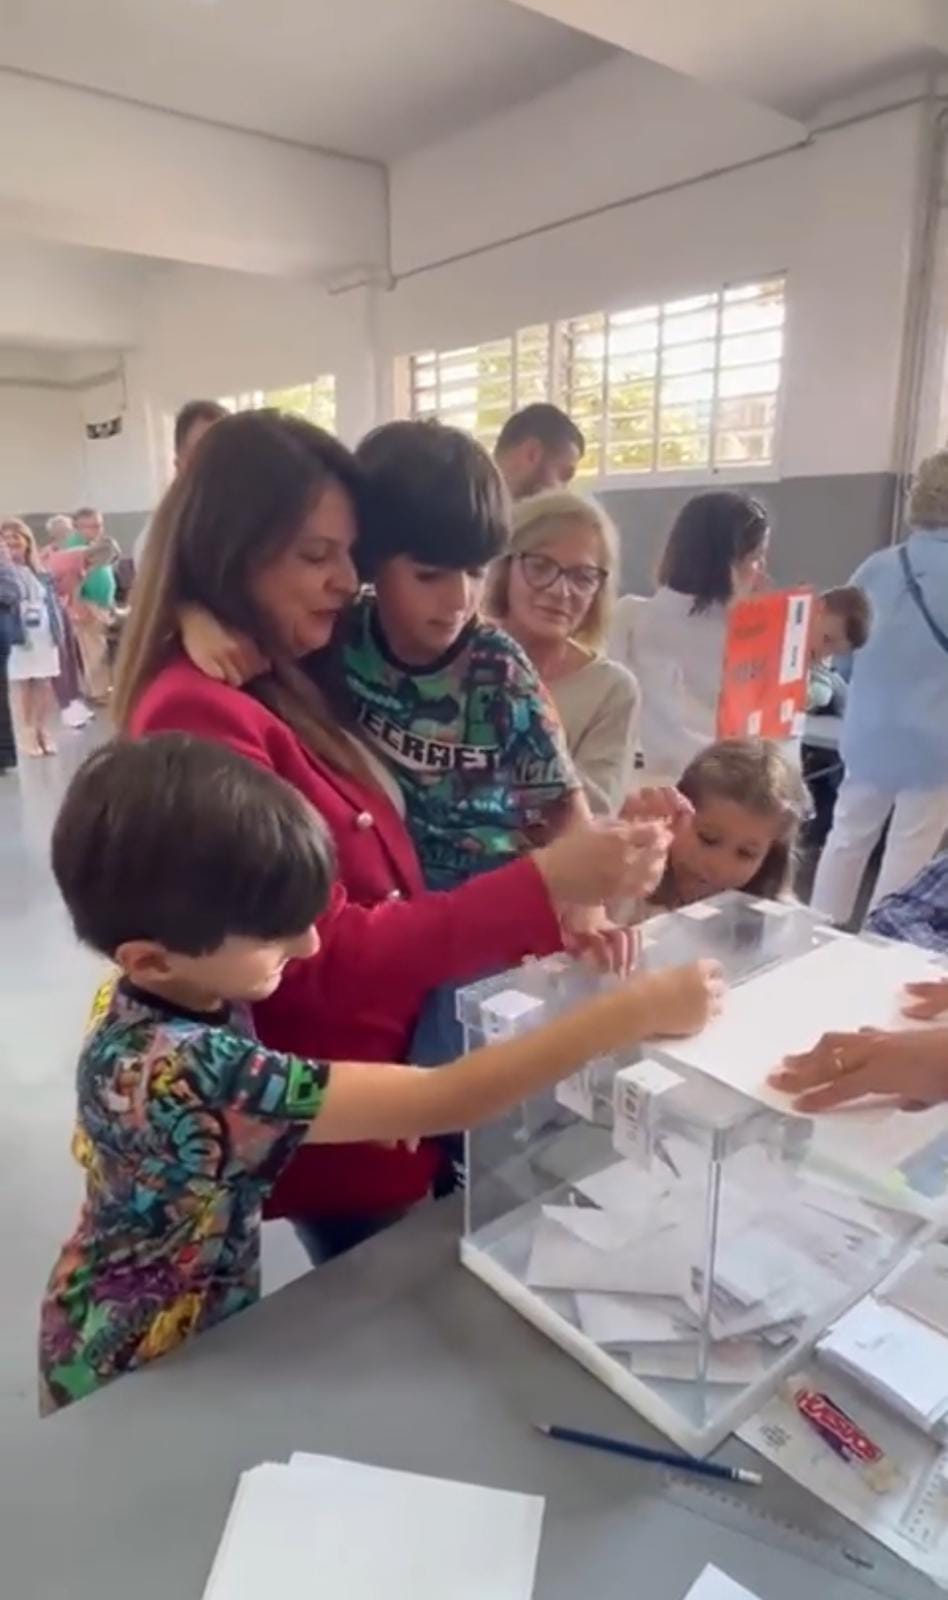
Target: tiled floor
{"points": [[46, 983]]}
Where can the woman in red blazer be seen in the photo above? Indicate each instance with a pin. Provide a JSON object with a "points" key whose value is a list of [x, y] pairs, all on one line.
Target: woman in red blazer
{"points": [[259, 530]]}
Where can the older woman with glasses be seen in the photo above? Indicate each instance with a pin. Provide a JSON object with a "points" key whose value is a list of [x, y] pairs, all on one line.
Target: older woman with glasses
{"points": [[553, 592]]}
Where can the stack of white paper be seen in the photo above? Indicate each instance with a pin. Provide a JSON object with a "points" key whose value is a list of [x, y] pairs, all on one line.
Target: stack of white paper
{"points": [[345, 1531], [901, 1360]]}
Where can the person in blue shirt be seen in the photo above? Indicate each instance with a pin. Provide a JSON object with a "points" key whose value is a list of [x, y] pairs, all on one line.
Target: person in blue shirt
{"points": [[895, 734], [917, 914]]}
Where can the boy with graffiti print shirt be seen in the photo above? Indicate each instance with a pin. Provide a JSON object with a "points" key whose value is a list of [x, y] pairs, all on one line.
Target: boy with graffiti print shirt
{"points": [[475, 745]]}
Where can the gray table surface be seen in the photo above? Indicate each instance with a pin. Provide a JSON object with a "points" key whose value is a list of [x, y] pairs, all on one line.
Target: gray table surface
{"points": [[393, 1355]]}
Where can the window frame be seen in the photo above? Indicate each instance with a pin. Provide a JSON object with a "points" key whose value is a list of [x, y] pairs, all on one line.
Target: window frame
{"points": [[560, 333], [253, 399]]}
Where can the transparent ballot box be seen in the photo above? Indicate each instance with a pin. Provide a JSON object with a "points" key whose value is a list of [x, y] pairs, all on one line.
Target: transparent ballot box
{"points": [[684, 1239]]}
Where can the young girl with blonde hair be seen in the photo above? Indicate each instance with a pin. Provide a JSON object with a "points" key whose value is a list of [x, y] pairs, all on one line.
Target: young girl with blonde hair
{"points": [[747, 804]]}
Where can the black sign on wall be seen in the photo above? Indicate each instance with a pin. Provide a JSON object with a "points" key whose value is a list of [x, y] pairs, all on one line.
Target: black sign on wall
{"points": [[104, 430]]}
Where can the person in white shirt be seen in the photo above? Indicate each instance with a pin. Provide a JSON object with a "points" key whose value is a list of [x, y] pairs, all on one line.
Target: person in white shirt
{"points": [[674, 641], [553, 591]]}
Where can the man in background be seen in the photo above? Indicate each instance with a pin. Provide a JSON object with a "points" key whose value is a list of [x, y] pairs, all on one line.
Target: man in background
{"points": [[94, 604], [539, 447], [67, 566], [190, 426]]}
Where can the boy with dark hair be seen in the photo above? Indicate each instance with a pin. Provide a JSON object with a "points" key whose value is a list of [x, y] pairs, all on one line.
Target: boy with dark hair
{"points": [[450, 701], [841, 622], [539, 447], [201, 876]]}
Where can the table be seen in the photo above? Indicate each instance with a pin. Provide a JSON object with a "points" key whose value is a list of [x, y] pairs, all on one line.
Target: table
{"points": [[395, 1355]]}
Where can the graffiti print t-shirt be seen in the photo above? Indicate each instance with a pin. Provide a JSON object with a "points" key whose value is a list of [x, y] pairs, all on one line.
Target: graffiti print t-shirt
{"points": [[184, 1122], [473, 739]]}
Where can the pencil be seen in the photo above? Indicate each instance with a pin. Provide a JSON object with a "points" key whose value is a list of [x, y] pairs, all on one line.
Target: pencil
{"points": [[641, 1452]]}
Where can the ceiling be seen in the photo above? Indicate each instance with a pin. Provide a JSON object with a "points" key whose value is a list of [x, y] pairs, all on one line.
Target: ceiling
{"points": [[791, 55], [373, 78]]}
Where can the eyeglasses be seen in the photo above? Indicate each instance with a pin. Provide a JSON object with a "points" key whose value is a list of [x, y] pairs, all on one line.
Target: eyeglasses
{"points": [[541, 572]]}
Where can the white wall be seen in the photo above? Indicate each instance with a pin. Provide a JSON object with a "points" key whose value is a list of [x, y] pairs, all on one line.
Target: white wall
{"points": [[47, 462], [213, 333], [158, 184], [56, 294], [41, 460], [179, 333], [836, 215], [620, 129]]}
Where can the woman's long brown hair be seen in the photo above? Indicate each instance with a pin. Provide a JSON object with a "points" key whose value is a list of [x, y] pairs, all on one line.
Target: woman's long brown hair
{"points": [[253, 479]]}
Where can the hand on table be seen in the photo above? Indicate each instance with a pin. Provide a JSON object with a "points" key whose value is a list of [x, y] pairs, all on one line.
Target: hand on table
{"points": [[926, 1000], [911, 1066]]}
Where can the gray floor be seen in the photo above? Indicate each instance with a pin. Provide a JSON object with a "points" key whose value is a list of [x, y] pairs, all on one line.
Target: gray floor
{"points": [[46, 984]]}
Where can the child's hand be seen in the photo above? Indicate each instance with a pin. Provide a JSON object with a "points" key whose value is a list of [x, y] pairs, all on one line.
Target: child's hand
{"points": [[927, 1000], [593, 862], [590, 935], [682, 1000], [647, 859], [218, 652], [664, 804]]}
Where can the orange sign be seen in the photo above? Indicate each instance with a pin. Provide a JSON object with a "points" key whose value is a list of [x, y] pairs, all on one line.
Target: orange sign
{"points": [[766, 666]]}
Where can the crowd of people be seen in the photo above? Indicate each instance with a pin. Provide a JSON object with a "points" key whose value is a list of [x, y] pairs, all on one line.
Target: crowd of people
{"points": [[57, 616], [62, 604], [380, 727]]}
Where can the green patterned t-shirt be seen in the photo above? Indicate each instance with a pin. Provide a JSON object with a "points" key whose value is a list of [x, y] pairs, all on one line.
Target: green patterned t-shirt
{"points": [[473, 739], [184, 1124]]}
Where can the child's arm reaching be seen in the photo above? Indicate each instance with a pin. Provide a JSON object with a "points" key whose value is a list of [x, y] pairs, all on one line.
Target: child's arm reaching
{"points": [[219, 652], [230, 657], [367, 1101], [664, 804]]}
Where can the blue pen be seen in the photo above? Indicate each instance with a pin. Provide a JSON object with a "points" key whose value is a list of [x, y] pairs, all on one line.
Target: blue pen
{"points": [[641, 1452]]}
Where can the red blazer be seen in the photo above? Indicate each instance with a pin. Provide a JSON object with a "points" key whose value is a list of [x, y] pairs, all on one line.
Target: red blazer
{"points": [[386, 941]]}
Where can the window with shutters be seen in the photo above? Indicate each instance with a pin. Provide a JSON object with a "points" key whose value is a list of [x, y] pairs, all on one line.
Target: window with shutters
{"points": [[316, 400], [476, 387], [685, 386]]}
